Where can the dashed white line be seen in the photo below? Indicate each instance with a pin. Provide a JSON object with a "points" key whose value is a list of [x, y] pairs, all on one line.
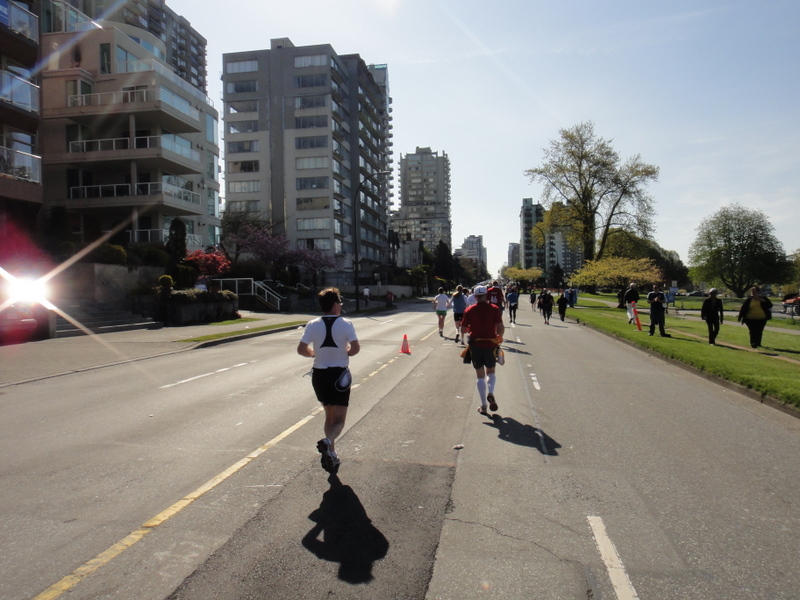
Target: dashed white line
{"points": [[196, 377], [535, 382], [623, 587]]}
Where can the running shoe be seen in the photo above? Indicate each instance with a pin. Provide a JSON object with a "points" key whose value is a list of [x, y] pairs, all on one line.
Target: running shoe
{"points": [[492, 402], [328, 460], [457, 338]]}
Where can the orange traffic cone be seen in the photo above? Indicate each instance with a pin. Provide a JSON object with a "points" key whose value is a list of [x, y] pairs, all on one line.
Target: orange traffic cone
{"points": [[404, 348]]}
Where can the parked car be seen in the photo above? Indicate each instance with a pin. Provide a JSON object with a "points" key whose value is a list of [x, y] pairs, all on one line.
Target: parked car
{"points": [[17, 324], [791, 304], [697, 293]]}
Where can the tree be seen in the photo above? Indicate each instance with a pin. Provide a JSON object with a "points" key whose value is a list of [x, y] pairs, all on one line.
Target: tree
{"points": [[176, 243], [234, 223], [209, 264], [617, 272], [624, 244], [583, 172], [738, 247], [527, 277]]}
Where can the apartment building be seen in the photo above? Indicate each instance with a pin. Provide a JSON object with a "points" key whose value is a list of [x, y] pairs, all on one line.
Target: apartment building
{"points": [[554, 250], [473, 249], [424, 212], [308, 150], [20, 160], [128, 144]]}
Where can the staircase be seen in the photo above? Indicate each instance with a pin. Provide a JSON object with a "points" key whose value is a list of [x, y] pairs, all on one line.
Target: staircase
{"points": [[100, 318]]}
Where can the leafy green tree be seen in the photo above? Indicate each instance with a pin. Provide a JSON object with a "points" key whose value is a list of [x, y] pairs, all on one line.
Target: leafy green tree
{"points": [[627, 245], [737, 246], [617, 272], [598, 192]]}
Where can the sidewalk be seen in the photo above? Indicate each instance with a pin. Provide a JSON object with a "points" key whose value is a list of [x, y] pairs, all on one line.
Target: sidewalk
{"points": [[48, 358]]}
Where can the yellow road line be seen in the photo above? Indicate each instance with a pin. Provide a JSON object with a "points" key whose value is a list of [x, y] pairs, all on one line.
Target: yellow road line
{"points": [[71, 580]]}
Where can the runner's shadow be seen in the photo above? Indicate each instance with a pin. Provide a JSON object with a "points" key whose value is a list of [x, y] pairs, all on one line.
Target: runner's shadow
{"points": [[348, 535], [511, 430]]}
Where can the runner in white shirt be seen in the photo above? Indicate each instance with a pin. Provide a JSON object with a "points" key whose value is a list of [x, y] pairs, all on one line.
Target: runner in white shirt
{"points": [[441, 303]]}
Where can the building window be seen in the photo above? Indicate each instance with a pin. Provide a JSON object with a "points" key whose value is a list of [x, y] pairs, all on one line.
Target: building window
{"points": [[309, 101], [309, 122], [316, 141], [323, 223], [312, 162], [243, 166], [105, 59], [243, 146], [243, 205], [212, 129], [242, 126], [242, 106], [240, 87], [312, 183], [315, 60], [241, 66], [239, 187], [321, 203], [306, 81], [314, 243]]}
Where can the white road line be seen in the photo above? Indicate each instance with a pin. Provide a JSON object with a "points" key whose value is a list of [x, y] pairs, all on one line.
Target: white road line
{"points": [[623, 587], [169, 385], [535, 382]]}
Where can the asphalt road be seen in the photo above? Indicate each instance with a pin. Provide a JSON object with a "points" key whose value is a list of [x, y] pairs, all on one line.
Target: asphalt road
{"points": [[606, 473]]}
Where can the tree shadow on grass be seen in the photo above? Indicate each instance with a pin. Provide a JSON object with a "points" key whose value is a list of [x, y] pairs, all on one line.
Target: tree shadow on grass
{"points": [[348, 535], [511, 430]]}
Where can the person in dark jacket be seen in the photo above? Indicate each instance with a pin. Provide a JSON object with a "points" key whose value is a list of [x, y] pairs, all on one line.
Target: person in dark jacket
{"points": [[631, 297], [755, 313], [562, 303], [711, 313]]}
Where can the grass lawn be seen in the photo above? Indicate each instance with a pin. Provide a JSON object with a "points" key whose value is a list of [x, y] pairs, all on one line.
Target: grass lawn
{"points": [[764, 371]]}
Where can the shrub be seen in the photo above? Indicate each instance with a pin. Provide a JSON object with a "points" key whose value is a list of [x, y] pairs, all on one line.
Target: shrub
{"points": [[109, 254]]}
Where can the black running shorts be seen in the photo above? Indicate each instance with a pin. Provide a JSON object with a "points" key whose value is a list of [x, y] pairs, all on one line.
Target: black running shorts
{"points": [[324, 383]]}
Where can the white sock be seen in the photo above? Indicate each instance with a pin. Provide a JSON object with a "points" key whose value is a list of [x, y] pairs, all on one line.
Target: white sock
{"points": [[482, 391], [491, 378]]}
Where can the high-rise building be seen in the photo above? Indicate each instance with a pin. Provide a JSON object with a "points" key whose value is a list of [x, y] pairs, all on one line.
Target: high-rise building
{"points": [[531, 253], [20, 157], [128, 144], [308, 150], [473, 249], [513, 254], [424, 212], [553, 251]]}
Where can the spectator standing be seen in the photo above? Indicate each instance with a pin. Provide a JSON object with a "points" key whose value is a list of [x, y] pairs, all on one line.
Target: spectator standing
{"points": [[366, 296], [631, 298], [658, 308], [711, 313], [755, 313], [484, 324], [330, 340]]}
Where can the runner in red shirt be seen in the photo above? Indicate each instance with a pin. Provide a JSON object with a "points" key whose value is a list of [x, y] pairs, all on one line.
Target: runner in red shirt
{"points": [[484, 324]]}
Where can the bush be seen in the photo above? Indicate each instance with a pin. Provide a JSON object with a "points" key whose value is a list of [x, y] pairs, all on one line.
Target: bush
{"points": [[109, 254]]}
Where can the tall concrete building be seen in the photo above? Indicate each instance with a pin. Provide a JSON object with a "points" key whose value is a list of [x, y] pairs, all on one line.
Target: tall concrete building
{"points": [[473, 249], [424, 212], [554, 251], [308, 149], [20, 154], [128, 144], [513, 254]]}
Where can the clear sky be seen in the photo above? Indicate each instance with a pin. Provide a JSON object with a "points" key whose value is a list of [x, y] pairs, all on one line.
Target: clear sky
{"points": [[708, 91]]}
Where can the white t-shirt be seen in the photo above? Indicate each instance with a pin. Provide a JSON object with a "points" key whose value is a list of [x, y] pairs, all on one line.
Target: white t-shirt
{"points": [[330, 350], [442, 301]]}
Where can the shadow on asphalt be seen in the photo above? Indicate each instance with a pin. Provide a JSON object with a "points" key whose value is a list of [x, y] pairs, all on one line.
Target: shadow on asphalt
{"points": [[511, 430], [348, 535]]}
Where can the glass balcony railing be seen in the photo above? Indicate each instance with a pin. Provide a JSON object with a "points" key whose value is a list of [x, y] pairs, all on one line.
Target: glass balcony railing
{"points": [[23, 21], [128, 96], [140, 66], [20, 165], [122, 190], [19, 92], [154, 236], [167, 142]]}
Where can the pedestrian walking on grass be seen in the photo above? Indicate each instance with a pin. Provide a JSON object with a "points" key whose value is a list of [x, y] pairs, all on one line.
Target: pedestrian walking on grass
{"points": [[755, 313], [631, 298], [658, 308], [330, 340], [711, 313], [484, 324]]}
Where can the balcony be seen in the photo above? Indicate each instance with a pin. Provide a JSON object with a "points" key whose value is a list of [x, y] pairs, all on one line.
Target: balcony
{"points": [[155, 106], [19, 92], [182, 201], [141, 66], [156, 236], [23, 22], [156, 152], [20, 165]]}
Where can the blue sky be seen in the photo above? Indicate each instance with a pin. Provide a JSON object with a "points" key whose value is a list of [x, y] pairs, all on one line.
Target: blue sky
{"points": [[705, 90]]}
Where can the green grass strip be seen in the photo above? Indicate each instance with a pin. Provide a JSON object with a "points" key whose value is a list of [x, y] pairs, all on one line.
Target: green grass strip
{"points": [[227, 334], [763, 371]]}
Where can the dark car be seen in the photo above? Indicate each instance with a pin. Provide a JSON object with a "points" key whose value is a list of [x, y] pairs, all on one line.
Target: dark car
{"points": [[17, 324]]}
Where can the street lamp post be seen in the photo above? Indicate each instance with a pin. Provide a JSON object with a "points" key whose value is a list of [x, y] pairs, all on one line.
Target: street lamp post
{"points": [[357, 230]]}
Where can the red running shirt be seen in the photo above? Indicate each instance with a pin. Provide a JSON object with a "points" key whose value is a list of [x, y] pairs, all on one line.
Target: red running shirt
{"points": [[480, 320]]}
